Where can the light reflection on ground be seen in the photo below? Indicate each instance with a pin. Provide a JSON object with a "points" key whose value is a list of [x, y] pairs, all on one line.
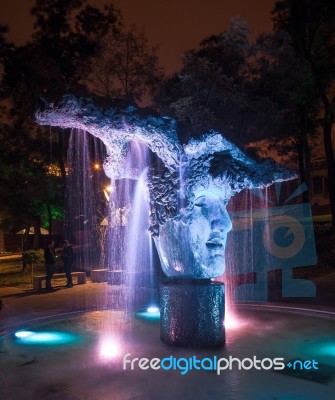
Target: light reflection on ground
{"points": [[91, 367]]}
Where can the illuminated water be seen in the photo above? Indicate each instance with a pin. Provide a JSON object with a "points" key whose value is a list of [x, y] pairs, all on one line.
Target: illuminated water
{"points": [[129, 244], [86, 362], [80, 357], [138, 248], [84, 203]]}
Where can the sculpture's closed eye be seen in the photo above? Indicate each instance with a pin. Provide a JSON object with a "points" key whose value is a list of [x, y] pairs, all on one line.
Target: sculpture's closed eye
{"points": [[200, 201]]}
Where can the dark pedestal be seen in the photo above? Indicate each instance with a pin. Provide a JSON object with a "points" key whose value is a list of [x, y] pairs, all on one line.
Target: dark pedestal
{"points": [[192, 314]]}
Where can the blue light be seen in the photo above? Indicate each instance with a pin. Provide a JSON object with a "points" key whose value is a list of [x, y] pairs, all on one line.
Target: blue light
{"points": [[45, 338], [152, 313], [23, 334], [328, 349], [153, 310]]}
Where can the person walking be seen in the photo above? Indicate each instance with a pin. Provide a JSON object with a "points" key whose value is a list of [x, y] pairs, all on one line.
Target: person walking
{"points": [[50, 258], [68, 257]]}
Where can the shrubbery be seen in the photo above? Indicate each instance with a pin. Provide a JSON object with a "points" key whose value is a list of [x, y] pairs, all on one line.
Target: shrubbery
{"points": [[33, 257]]}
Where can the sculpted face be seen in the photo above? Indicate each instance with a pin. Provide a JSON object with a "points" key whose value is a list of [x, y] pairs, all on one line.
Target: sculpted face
{"points": [[194, 247]]}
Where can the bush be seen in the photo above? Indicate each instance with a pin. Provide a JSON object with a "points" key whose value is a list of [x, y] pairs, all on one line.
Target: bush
{"points": [[33, 257]]}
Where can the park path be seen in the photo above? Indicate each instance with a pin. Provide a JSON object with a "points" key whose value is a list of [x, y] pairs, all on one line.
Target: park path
{"points": [[23, 305]]}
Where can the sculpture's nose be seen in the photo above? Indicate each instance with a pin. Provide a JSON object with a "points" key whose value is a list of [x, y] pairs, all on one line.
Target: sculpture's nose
{"points": [[220, 219]]}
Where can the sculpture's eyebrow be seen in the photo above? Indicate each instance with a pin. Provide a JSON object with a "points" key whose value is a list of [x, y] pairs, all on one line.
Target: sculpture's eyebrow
{"points": [[200, 201]]}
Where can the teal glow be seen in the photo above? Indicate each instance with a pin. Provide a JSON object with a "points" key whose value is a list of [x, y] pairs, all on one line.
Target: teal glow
{"points": [[322, 350], [152, 313], [153, 310], [45, 338], [23, 334], [328, 349]]}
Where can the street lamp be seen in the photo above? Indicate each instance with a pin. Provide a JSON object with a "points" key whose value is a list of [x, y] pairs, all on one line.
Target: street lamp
{"points": [[107, 190]]}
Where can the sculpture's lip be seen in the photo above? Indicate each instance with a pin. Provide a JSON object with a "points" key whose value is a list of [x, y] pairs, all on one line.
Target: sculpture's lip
{"points": [[215, 241]]}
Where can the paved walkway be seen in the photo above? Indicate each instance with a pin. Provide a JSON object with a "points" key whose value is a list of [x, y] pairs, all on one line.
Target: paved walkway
{"points": [[22, 305], [10, 257]]}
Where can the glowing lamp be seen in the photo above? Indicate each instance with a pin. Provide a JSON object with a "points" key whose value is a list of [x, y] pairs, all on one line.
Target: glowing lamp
{"points": [[23, 334], [109, 348], [44, 338], [153, 309]]}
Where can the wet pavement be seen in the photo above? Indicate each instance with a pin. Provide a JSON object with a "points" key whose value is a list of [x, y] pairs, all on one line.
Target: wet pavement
{"points": [[77, 371], [20, 305]]}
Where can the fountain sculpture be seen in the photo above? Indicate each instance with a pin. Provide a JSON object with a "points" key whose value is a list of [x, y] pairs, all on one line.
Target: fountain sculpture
{"points": [[190, 187]]}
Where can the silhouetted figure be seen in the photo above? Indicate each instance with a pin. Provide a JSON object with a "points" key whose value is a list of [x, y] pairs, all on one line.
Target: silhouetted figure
{"points": [[68, 257], [50, 258]]}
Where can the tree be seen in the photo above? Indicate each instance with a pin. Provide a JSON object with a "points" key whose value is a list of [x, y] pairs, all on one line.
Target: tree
{"points": [[311, 26], [27, 190], [4, 45], [50, 64], [292, 95], [211, 91], [125, 67], [47, 66], [55, 61]]}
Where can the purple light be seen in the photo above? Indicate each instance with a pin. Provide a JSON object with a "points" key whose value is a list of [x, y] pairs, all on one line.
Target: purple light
{"points": [[109, 348]]}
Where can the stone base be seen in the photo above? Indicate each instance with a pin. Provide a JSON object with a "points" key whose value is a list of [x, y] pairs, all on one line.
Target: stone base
{"points": [[136, 279], [116, 277], [99, 275], [192, 314]]}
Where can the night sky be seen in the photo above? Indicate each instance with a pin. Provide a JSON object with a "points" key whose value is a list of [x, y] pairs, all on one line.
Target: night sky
{"points": [[176, 25]]}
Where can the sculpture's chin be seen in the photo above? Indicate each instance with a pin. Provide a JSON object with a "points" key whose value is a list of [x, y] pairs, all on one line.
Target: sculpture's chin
{"points": [[194, 271], [214, 268], [194, 247], [180, 260]]}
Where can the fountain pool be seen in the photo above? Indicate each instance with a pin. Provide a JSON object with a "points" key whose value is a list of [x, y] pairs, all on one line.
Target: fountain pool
{"points": [[80, 356]]}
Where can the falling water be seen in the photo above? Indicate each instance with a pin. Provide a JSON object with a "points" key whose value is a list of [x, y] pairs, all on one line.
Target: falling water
{"points": [[248, 264], [241, 279], [129, 243], [138, 243], [82, 197]]}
